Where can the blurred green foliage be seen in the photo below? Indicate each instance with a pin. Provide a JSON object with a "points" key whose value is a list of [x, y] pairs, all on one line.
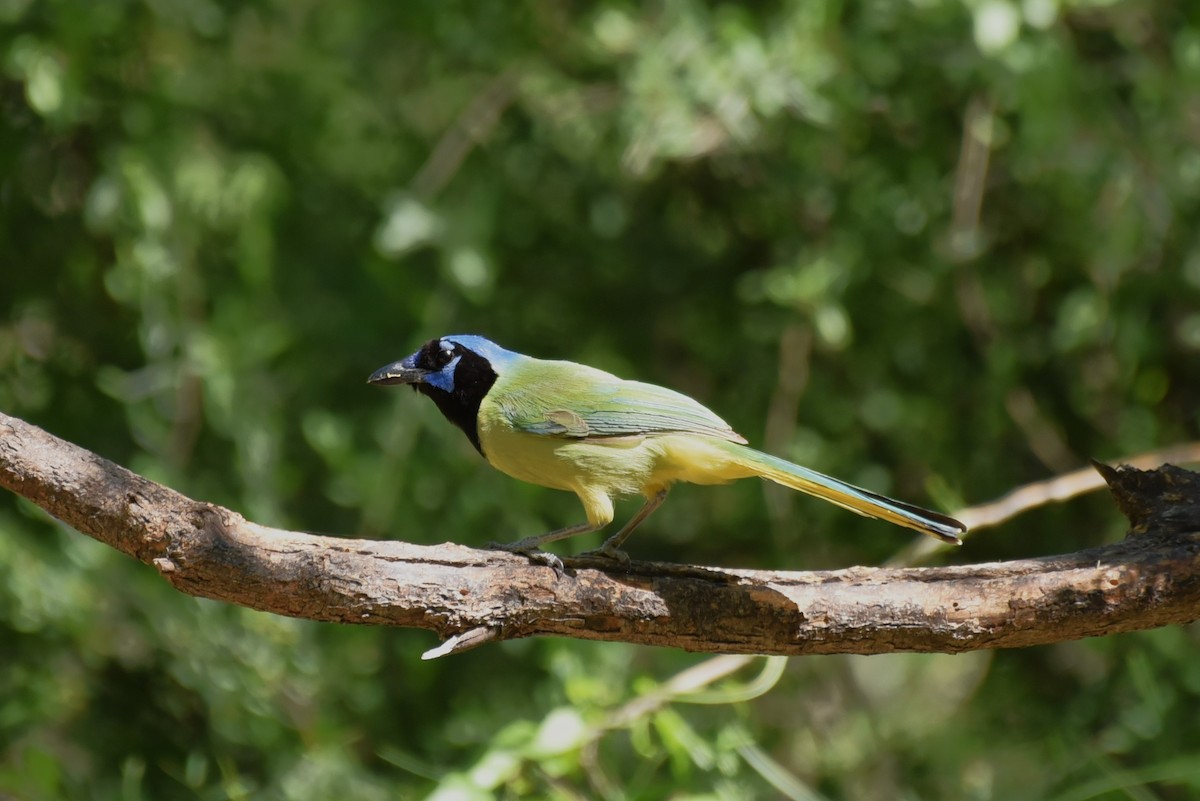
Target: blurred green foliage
{"points": [[938, 247]]}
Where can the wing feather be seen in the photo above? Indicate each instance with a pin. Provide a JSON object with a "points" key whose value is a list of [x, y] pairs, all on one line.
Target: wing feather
{"points": [[571, 401]]}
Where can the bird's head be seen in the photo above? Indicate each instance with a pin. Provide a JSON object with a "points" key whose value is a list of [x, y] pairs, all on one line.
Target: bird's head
{"points": [[456, 372], [447, 364]]}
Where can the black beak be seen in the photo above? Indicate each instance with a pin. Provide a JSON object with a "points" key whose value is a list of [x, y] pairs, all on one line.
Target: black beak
{"points": [[401, 372]]}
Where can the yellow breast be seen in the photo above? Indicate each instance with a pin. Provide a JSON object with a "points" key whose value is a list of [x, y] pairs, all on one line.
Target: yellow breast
{"points": [[616, 466], [635, 465]]}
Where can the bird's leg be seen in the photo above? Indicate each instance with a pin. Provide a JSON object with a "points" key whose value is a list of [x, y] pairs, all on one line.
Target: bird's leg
{"points": [[535, 542], [612, 546], [532, 546]]}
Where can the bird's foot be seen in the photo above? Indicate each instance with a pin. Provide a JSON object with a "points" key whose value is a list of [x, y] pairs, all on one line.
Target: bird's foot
{"points": [[531, 552], [607, 551]]}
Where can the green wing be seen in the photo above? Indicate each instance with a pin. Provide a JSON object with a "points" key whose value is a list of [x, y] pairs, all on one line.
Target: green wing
{"points": [[571, 401]]}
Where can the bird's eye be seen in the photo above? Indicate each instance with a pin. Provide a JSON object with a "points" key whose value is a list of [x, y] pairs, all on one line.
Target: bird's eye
{"points": [[445, 353]]}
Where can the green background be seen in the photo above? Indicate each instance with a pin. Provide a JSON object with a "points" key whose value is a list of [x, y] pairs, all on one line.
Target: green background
{"points": [[937, 248]]}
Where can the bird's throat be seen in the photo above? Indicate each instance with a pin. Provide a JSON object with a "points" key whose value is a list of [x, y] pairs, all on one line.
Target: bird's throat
{"points": [[473, 377]]}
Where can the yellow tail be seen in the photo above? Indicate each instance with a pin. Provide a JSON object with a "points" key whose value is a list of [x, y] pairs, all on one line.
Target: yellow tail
{"points": [[848, 496]]}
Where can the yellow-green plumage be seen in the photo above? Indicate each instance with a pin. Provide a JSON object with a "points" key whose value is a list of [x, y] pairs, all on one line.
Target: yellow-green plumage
{"points": [[570, 427]]}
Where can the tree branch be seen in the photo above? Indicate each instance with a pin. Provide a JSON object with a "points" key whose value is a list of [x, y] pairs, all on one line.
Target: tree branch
{"points": [[472, 596]]}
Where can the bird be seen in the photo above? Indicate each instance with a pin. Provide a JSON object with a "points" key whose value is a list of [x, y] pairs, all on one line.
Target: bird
{"points": [[571, 427]]}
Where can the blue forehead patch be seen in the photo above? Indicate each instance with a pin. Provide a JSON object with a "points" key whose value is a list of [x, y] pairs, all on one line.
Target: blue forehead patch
{"points": [[489, 350]]}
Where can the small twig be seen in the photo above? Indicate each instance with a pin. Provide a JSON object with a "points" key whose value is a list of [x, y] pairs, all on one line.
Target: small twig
{"points": [[1043, 438], [690, 680], [473, 126], [970, 176], [457, 643], [795, 349]]}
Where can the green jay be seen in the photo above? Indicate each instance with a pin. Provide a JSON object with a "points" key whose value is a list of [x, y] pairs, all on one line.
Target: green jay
{"points": [[572, 427]]}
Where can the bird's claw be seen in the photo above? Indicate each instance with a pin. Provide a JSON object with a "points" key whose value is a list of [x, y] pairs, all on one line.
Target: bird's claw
{"points": [[612, 552], [531, 552]]}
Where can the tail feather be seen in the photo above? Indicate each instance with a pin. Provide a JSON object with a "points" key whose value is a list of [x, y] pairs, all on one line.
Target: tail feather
{"points": [[848, 496]]}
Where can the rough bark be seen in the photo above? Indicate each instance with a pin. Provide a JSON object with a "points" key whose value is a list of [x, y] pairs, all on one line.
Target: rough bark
{"points": [[470, 596]]}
